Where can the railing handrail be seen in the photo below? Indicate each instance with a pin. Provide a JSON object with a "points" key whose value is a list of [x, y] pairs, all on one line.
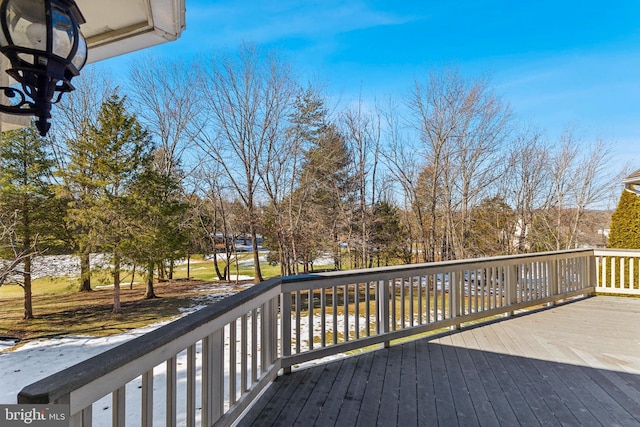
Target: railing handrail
{"points": [[615, 251], [392, 271], [432, 265]]}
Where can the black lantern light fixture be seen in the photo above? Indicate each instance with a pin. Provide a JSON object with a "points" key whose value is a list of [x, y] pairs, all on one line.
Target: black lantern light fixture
{"points": [[46, 49]]}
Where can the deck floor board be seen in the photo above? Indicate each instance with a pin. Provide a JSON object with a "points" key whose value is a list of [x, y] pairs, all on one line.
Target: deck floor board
{"points": [[575, 364]]}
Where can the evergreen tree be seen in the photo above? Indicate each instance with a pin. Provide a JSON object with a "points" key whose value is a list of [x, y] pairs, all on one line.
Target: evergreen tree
{"points": [[75, 162], [389, 237], [625, 223], [156, 215], [120, 151], [292, 236], [330, 186], [491, 228], [25, 191], [78, 189]]}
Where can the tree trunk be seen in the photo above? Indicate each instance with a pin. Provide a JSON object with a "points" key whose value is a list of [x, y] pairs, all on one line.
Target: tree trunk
{"points": [[133, 277], [85, 271], [117, 309], [237, 268], [337, 258], [256, 255], [217, 267], [149, 293], [28, 307]]}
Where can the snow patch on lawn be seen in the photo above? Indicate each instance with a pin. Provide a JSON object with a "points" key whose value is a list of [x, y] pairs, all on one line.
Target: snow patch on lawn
{"points": [[64, 265]]}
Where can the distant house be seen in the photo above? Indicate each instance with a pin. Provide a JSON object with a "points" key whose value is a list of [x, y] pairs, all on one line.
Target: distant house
{"points": [[632, 182], [520, 233]]}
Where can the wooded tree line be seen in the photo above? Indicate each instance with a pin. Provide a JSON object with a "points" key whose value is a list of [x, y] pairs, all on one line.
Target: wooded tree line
{"points": [[186, 158]]}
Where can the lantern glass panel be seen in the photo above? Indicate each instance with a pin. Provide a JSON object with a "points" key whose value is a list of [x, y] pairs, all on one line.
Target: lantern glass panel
{"points": [[27, 24], [62, 32], [79, 60]]}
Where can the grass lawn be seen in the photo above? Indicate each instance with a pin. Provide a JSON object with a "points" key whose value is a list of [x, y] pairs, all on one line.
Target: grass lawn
{"points": [[89, 313], [59, 308], [203, 269]]}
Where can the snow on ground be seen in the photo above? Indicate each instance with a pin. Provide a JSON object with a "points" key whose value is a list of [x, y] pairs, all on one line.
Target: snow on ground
{"points": [[65, 265], [243, 262], [69, 265], [41, 358]]}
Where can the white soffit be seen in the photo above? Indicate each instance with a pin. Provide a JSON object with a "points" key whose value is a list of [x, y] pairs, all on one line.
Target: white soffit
{"points": [[116, 27]]}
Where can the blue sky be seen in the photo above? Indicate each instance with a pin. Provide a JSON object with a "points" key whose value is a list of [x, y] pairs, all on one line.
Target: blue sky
{"points": [[557, 63]]}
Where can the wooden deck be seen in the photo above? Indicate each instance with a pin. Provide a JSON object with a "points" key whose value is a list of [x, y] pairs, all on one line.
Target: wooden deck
{"points": [[576, 364]]}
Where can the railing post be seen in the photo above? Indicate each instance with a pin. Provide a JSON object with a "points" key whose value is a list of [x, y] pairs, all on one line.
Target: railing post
{"points": [[207, 385], [171, 392], [265, 338], [383, 309], [83, 418], [191, 386], [285, 324], [455, 295], [118, 402], [614, 283], [233, 362], [598, 267], [553, 280], [273, 355], [212, 377], [512, 286], [269, 335], [147, 399], [592, 272]]}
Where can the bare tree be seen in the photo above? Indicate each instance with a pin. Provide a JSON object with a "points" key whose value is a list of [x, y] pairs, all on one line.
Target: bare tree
{"points": [[79, 109], [278, 174], [167, 106], [215, 219], [462, 126], [438, 111], [476, 156], [404, 164], [579, 177], [363, 133], [524, 183], [246, 96]]}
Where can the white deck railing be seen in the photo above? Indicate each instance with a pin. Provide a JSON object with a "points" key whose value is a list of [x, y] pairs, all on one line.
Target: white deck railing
{"points": [[209, 366], [618, 271]]}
